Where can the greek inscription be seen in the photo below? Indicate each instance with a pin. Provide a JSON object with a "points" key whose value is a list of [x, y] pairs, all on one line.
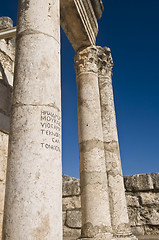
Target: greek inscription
{"points": [[48, 146], [51, 130]]}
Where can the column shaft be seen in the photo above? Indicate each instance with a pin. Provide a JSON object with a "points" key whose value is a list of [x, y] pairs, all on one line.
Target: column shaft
{"points": [[34, 177], [96, 223], [118, 206]]}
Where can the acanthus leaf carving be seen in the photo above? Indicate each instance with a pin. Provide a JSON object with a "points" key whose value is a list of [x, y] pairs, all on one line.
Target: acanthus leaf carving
{"points": [[86, 60]]}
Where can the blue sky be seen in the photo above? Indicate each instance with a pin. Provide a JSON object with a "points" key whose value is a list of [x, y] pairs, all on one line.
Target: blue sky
{"points": [[131, 30]]}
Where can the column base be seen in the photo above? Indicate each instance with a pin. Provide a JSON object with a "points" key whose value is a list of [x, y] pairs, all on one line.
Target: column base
{"points": [[125, 238], [106, 237], [101, 237], [110, 238], [96, 238]]}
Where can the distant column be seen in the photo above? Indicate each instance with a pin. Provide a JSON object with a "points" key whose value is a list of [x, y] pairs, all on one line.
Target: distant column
{"points": [[96, 223], [34, 177], [118, 206]]}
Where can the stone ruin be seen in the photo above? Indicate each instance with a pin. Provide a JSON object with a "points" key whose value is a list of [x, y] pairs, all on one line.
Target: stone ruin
{"points": [[30, 112], [142, 195]]}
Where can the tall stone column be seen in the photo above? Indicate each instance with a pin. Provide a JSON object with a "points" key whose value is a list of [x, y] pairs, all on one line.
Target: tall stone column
{"points": [[33, 199], [96, 223], [118, 206]]}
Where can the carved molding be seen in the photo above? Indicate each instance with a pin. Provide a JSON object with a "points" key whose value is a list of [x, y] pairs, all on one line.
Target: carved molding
{"points": [[88, 18], [79, 22], [98, 8]]}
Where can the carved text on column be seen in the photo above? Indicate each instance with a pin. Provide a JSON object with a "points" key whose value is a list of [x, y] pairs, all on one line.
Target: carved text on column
{"points": [[51, 130]]}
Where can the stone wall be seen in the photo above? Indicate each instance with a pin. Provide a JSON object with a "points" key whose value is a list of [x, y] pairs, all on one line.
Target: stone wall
{"points": [[7, 55], [3, 163], [71, 205], [142, 194]]}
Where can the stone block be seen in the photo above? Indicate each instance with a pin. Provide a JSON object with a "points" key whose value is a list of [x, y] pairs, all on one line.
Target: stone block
{"points": [[152, 230], [138, 230], [71, 233], [155, 179], [73, 219], [134, 216], [148, 198], [70, 186], [148, 216], [135, 183], [154, 217], [132, 201], [71, 203]]}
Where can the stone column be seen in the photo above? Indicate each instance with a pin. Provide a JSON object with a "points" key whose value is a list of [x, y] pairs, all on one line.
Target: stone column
{"points": [[118, 206], [96, 223], [33, 202]]}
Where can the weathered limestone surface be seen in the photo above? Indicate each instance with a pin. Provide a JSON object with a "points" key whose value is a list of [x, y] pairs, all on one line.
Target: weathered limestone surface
{"points": [[71, 206], [5, 22], [118, 207], [6, 75], [34, 167], [6, 82], [96, 221], [98, 8], [143, 205], [33, 202], [79, 21], [3, 164]]}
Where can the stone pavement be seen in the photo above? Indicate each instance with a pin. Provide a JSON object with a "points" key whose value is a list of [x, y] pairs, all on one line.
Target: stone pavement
{"points": [[149, 237]]}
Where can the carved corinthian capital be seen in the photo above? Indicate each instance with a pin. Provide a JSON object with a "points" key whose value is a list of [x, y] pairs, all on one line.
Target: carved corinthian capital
{"points": [[86, 60], [105, 61]]}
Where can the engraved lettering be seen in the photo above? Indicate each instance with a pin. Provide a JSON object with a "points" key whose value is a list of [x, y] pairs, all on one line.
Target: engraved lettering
{"points": [[51, 130]]}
